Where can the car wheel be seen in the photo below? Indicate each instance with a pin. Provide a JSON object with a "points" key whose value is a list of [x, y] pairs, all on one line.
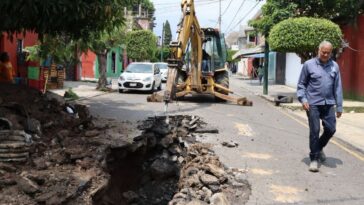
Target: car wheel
{"points": [[160, 86], [152, 89], [121, 90]]}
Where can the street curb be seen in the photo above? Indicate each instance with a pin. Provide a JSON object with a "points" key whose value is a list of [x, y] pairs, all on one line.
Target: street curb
{"points": [[349, 146], [338, 139], [296, 106]]}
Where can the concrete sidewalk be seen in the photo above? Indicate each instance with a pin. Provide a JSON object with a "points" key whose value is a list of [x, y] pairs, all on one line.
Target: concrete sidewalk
{"points": [[350, 128]]}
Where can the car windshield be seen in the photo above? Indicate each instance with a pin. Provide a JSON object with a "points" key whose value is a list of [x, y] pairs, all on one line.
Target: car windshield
{"points": [[139, 68], [163, 66]]}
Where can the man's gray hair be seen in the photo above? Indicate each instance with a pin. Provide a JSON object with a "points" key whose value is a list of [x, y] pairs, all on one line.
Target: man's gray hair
{"points": [[325, 43]]}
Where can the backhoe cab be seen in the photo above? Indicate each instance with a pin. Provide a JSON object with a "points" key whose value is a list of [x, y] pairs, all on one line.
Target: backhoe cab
{"points": [[197, 62]]}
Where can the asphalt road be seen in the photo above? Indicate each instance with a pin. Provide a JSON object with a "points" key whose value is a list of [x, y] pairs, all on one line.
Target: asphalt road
{"points": [[273, 147]]}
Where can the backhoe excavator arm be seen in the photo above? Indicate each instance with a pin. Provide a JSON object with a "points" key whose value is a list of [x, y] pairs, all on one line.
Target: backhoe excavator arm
{"points": [[189, 33]]}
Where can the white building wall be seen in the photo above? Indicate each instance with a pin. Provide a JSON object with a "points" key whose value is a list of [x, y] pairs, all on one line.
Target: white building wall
{"points": [[243, 67], [293, 69]]}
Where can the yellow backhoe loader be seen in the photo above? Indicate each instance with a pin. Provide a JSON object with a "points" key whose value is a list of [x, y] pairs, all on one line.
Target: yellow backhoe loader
{"points": [[197, 62]]}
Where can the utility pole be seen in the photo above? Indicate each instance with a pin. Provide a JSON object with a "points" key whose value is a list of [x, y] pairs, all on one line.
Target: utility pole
{"points": [[266, 62], [162, 42], [220, 16]]}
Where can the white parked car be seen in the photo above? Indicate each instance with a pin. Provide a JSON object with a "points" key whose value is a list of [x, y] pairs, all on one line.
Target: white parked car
{"points": [[140, 76], [163, 67]]}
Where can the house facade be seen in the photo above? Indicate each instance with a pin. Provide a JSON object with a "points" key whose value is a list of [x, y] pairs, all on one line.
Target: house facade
{"points": [[15, 48], [117, 58], [90, 64]]}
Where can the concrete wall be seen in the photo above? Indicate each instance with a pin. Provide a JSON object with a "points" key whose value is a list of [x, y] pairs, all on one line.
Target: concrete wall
{"points": [[293, 69]]}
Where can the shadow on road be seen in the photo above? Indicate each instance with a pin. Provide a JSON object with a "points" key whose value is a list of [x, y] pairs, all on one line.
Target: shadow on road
{"points": [[330, 162]]}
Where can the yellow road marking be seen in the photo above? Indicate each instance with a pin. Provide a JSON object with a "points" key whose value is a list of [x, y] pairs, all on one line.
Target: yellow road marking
{"points": [[286, 194], [257, 155], [340, 145], [261, 171]]}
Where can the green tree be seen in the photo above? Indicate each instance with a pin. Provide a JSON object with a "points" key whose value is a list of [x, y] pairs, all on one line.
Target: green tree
{"points": [[77, 18], [274, 11], [166, 53], [146, 4], [230, 54], [141, 45], [60, 48], [303, 35], [167, 34], [101, 45]]}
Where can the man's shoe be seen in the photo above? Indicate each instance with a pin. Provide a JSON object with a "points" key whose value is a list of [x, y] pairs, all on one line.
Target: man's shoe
{"points": [[322, 156], [313, 166]]}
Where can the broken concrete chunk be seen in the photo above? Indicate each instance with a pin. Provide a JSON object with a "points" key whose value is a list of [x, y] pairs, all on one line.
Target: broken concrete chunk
{"points": [[219, 199], [208, 179], [91, 133], [27, 186]]}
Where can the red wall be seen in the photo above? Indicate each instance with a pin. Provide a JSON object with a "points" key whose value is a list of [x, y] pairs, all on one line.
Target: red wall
{"points": [[87, 63], [351, 60], [6, 45]]}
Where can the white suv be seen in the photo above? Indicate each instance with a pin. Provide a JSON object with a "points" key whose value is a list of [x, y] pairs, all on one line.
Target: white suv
{"points": [[140, 76]]}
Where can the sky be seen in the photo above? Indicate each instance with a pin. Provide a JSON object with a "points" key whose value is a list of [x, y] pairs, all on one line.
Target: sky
{"points": [[234, 13]]}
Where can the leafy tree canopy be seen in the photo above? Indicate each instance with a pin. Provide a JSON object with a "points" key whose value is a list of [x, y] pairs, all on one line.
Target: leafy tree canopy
{"points": [[303, 35], [230, 54], [76, 18], [146, 4], [105, 40], [274, 11], [141, 45]]}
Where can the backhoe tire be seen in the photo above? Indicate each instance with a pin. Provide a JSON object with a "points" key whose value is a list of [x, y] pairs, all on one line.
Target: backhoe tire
{"points": [[222, 78]]}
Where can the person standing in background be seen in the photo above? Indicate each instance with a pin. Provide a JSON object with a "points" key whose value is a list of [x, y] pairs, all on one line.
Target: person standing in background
{"points": [[260, 74], [6, 69]]}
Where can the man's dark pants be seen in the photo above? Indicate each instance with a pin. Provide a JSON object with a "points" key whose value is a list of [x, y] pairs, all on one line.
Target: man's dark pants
{"points": [[327, 114]]}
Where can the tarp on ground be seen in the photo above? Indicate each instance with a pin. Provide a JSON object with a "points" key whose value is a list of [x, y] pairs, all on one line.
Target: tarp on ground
{"points": [[248, 51]]}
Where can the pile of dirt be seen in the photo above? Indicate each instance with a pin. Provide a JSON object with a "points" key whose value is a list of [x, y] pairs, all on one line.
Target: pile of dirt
{"points": [[51, 152]]}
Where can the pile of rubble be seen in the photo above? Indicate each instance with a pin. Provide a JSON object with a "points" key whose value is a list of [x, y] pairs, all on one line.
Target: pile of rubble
{"points": [[168, 166], [53, 152]]}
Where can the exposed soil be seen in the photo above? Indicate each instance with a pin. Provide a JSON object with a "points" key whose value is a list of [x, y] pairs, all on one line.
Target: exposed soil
{"points": [[53, 152]]}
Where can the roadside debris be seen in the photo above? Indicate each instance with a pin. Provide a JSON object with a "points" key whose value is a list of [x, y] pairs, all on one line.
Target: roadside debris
{"points": [[282, 99], [229, 144]]}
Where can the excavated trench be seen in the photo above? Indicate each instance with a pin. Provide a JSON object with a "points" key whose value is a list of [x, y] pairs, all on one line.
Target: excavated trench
{"points": [[166, 165]]}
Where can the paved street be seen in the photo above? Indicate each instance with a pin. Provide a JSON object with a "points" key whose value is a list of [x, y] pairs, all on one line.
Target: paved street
{"points": [[273, 146]]}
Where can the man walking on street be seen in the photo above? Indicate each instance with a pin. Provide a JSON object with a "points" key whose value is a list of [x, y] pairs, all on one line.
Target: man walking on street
{"points": [[319, 89]]}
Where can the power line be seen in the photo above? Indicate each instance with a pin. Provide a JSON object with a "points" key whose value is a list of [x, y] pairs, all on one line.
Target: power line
{"points": [[241, 5], [244, 16], [227, 8]]}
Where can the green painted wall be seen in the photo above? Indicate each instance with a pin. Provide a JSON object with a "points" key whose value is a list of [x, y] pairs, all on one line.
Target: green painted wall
{"points": [[110, 72]]}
